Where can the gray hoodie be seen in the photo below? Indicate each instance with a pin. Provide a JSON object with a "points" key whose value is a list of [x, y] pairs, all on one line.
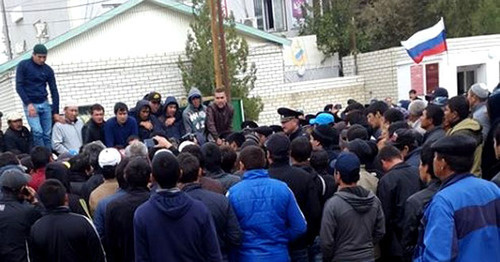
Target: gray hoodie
{"points": [[67, 136], [194, 118], [353, 221]]}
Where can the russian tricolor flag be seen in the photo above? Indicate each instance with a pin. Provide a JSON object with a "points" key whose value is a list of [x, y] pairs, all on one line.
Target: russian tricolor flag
{"points": [[427, 42]]}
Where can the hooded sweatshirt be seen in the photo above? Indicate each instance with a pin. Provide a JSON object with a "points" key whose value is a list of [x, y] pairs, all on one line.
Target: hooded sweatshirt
{"points": [[352, 222], [176, 130], [143, 132], [194, 118], [470, 127], [173, 226]]}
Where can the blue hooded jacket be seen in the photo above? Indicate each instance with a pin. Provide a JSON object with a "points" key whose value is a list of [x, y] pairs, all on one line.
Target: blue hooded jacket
{"points": [[143, 132], [177, 129], [268, 214]]}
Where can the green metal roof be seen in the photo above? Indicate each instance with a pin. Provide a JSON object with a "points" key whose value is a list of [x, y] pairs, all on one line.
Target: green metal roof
{"points": [[175, 6]]}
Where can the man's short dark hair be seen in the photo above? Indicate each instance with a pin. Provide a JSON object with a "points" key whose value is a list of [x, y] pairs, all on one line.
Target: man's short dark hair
{"points": [[377, 106], [120, 106], [356, 117], [190, 167], [300, 149], [219, 90], [357, 131], [252, 157], [389, 152], [26, 162], [319, 161], [96, 107], [212, 156], [40, 156], [195, 150], [459, 105], [8, 158], [497, 135], [236, 137], [229, 158], [397, 125], [413, 91], [354, 106], [427, 159], [459, 164], [92, 151], [108, 172], [435, 113], [166, 170], [120, 173], [137, 172], [79, 163], [52, 194], [393, 115]]}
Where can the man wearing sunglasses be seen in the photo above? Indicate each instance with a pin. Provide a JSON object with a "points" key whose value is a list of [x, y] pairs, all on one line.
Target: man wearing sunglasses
{"points": [[32, 78]]}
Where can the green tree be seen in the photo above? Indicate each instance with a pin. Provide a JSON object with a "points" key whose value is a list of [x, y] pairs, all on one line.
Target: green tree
{"points": [[197, 67]]}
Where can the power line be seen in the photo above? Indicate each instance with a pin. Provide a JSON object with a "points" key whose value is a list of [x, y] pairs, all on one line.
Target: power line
{"points": [[56, 8]]}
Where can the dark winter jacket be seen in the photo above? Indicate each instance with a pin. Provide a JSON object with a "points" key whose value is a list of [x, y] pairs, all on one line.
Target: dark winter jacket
{"points": [[18, 141], [119, 234], [226, 223], [62, 236], [16, 218], [143, 132], [194, 118], [394, 188], [353, 221], [31, 83], [227, 180], [91, 132], [116, 135], [324, 183], [490, 166], [176, 130], [268, 214], [173, 226], [213, 185], [433, 135], [304, 188], [2, 142], [219, 120], [413, 158], [298, 133], [414, 210]]}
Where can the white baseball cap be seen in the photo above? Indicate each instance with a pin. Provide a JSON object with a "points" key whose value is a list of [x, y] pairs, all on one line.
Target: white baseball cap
{"points": [[109, 157]]}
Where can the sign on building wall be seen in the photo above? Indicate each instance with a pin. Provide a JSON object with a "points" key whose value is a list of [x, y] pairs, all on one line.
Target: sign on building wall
{"points": [[431, 77]]}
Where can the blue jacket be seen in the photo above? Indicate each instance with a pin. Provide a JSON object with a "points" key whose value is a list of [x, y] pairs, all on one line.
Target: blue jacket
{"points": [[177, 129], [268, 214], [143, 132], [116, 134], [171, 226], [31, 83], [462, 222]]}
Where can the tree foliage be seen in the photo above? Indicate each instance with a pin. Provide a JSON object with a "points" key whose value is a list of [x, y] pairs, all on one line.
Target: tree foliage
{"points": [[380, 24], [198, 69]]}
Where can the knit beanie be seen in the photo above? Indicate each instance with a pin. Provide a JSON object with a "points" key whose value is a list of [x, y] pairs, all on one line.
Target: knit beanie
{"points": [[40, 49]]}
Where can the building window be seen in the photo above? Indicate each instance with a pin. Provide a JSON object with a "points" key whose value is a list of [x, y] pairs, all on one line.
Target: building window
{"points": [[466, 76], [270, 15]]}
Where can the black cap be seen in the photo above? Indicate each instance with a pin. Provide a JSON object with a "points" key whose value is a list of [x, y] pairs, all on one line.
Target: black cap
{"points": [[325, 132], [288, 114], [263, 130], [404, 137], [248, 124], [276, 128], [456, 145], [278, 144], [153, 97], [438, 92]]}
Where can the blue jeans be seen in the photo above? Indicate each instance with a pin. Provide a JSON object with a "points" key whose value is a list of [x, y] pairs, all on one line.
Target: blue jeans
{"points": [[41, 124]]}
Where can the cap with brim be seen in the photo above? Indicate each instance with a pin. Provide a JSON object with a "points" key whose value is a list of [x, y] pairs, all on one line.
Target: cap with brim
{"points": [[154, 97], [322, 119], [346, 163], [276, 128], [288, 114], [278, 144], [439, 92], [248, 124], [14, 179], [263, 130], [14, 116], [455, 145]]}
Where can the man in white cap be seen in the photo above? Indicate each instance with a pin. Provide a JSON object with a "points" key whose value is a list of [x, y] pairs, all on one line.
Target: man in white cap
{"points": [[477, 96], [109, 158], [18, 138], [67, 136]]}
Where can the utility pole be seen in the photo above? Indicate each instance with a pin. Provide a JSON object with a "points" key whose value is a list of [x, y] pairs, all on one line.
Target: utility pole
{"points": [[225, 71], [215, 43], [6, 32]]}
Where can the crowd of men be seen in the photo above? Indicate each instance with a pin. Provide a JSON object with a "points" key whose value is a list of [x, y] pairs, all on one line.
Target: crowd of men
{"points": [[374, 182]]}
